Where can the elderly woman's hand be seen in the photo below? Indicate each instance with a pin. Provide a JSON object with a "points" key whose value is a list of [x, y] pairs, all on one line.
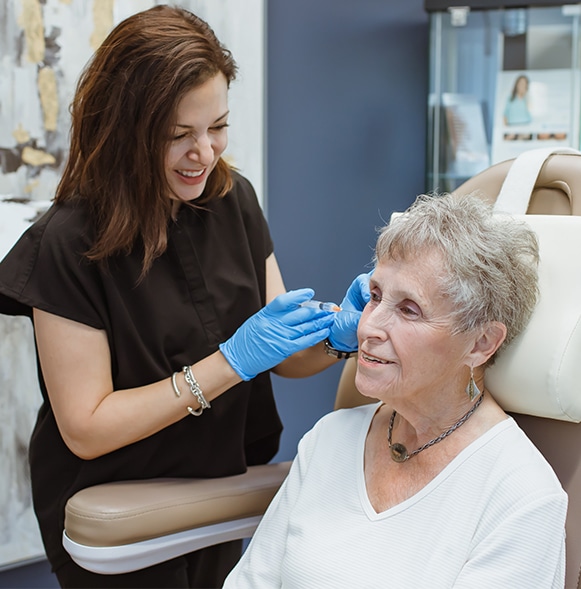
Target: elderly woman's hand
{"points": [[343, 334]]}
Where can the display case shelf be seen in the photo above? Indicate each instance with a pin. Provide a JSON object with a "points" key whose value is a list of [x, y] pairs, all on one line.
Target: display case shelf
{"points": [[502, 80]]}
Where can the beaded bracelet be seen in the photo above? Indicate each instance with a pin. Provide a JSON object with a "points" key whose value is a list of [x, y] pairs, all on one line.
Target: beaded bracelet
{"points": [[196, 391]]}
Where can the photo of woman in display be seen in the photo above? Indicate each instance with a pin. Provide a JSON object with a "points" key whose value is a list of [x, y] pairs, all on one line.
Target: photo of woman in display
{"points": [[516, 111]]}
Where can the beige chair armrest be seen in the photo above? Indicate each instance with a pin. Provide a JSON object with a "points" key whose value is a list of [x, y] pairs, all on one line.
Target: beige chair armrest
{"points": [[114, 514]]}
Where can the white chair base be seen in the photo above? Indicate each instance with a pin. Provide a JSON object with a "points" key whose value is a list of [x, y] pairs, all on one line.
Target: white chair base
{"points": [[110, 560]]}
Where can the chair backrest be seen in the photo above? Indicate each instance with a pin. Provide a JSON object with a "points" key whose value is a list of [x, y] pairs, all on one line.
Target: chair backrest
{"points": [[557, 192]]}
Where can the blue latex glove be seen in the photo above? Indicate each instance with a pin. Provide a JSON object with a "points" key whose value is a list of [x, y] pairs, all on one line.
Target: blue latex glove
{"points": [[343, 334], [276, 332]]}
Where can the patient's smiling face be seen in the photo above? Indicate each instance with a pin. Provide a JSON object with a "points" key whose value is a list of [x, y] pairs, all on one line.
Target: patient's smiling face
{"points": [[407, 348]]}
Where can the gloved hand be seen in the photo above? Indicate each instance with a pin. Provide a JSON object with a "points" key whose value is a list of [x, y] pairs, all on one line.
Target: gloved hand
{"points": [[343, 334], [276, 332]]}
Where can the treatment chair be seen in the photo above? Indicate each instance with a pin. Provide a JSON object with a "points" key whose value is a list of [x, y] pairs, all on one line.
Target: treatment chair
{"points": [[557, 191], [125, 526]]}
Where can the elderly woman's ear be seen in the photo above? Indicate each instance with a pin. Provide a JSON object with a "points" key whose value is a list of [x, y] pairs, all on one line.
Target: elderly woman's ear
{"points": [[489, 340]]}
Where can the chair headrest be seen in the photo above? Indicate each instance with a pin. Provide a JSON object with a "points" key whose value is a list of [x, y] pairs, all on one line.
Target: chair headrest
{"points": [[557, 190], [539, 372]]}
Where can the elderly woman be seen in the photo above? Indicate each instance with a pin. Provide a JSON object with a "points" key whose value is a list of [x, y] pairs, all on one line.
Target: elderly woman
{"points": [[434, 485]]}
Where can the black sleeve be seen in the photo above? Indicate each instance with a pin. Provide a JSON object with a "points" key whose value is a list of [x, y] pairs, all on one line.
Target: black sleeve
{"points": [[46, 269]]}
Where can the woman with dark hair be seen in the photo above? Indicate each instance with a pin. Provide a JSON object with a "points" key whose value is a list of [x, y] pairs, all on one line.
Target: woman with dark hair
{"points": [[157, 302]]}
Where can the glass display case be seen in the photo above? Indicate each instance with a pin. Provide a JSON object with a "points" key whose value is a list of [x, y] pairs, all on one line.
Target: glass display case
{"points": [[502, 80]]}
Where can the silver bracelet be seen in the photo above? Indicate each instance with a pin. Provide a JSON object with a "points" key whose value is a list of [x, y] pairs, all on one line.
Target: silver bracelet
{"points": [[174, 384], [196, 391]]}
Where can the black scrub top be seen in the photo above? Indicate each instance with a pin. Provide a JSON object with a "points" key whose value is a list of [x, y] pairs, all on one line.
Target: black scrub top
{"points": [[210, 279]]}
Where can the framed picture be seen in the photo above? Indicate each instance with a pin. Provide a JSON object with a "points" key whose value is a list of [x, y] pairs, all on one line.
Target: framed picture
{"points": [[534, 108]]}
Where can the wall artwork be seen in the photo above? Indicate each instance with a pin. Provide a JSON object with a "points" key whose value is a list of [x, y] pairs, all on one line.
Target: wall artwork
{"points": [[44, 44]]}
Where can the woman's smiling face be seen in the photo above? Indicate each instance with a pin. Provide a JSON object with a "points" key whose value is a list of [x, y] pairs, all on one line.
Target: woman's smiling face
{"points": [[198, 139], [406, 345]]}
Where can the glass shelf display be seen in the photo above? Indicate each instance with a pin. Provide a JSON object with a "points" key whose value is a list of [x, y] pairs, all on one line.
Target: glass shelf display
{"points": [[502, 80]]}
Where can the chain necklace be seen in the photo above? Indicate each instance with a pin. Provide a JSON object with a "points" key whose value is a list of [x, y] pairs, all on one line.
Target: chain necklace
{"points": [[399, 452]]}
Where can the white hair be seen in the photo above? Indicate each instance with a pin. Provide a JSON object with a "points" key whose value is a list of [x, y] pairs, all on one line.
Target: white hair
{"points": [[491, 258]]}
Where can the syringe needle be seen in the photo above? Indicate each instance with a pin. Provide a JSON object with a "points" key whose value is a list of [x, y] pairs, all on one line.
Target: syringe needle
{"points": [[323, 306]]}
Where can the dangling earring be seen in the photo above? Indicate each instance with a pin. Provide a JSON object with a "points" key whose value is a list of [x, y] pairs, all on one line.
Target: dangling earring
{"points": [[472, 389]]}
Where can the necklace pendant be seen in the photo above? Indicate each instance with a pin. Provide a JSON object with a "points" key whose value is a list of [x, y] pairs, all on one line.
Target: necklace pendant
{"points": [[399, 452]]}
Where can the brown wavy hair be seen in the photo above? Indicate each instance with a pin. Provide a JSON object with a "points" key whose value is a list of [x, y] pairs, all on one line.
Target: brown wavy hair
{"points": [[124, 106]]}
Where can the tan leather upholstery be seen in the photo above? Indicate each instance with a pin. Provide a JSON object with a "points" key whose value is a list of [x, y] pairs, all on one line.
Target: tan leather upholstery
{"points": [[557, 191], [560, 443], [120, 513]]}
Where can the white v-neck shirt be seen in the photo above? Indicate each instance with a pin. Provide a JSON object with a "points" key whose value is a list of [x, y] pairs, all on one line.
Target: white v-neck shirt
{"points": [[494, 518]]}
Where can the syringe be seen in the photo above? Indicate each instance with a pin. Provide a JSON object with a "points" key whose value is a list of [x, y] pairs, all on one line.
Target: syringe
{"points": [[320, 305]]}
